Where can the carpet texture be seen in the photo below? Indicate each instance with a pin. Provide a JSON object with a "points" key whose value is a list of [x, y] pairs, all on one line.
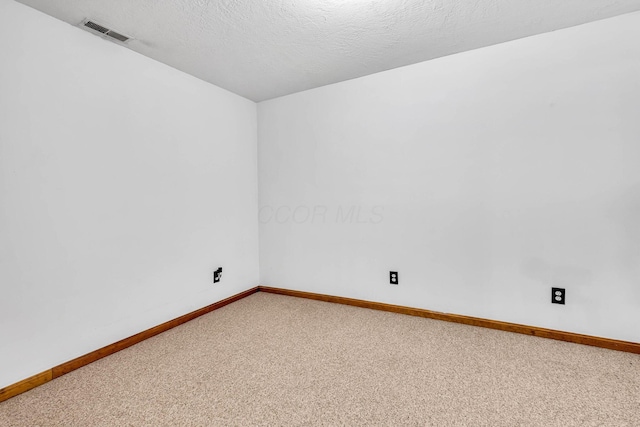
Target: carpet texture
{"points": [[271, 360]]}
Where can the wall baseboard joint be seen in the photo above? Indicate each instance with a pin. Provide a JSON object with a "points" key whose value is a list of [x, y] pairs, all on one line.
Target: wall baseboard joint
{"points": [[46, 376], [50, 374], [25, 385], [611, 344]]}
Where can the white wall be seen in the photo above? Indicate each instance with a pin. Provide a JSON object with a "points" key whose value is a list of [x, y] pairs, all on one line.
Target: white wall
{"points": [[123, 184], [484, 178]]}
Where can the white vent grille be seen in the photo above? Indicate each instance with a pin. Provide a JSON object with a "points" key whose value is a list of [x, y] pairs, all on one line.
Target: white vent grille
{"points": [[96, 27], [117, 36], [102, 30]]}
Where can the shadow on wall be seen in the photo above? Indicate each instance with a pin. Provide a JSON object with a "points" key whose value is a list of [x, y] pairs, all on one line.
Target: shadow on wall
{"points": [[561, 276], [625, 215]]}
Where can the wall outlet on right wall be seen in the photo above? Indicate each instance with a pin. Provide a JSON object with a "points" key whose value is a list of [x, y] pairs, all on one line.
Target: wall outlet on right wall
{"points": [[558, 295], [393, 277], [217, 275]]}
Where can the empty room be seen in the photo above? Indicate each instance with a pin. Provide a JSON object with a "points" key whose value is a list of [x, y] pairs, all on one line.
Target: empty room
{"points": [[319, 212]]}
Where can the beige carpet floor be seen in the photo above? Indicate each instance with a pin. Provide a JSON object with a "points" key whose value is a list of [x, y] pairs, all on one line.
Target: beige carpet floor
{"points": [[272, 360]]}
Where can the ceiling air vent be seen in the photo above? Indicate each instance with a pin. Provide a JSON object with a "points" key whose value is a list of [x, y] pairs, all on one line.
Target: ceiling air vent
{"points": [[101, 29], [117, 36]]}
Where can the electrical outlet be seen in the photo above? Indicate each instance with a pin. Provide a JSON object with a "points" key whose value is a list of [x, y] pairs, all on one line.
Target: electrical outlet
{"points": [[217, 275], [558, 295], [393, 277]]}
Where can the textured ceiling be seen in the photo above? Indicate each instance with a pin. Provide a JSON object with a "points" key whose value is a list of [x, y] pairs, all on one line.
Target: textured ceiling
{"points": [[262, 49]]}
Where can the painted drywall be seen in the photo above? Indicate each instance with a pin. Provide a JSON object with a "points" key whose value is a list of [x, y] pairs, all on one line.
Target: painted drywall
{"points": [[483, 178], [123, 184]]}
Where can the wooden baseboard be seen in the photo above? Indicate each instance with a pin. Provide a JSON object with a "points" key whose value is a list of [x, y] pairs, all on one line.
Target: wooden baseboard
{"points": [[25, 385], [626, 346], [81, 361], [58, 371], [48, 375]]}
